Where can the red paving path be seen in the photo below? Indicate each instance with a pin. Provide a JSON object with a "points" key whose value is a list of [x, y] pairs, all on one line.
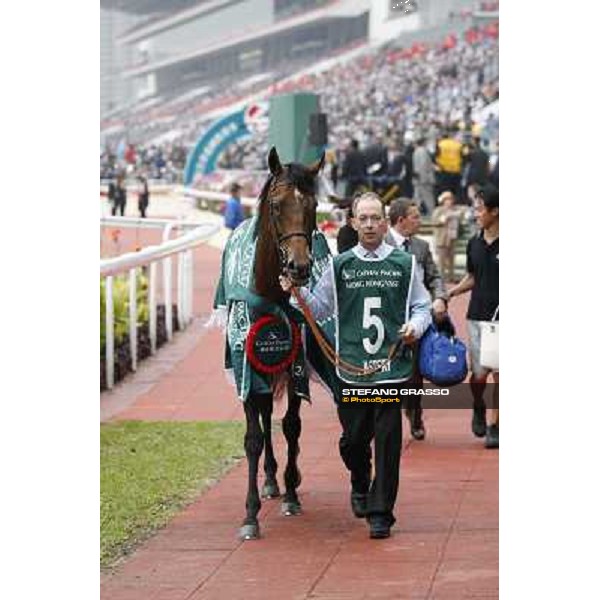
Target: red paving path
{"points": [[444, 545]]}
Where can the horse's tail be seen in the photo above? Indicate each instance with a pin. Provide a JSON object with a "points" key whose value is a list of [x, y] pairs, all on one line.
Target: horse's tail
{"points": [[280, 383]]}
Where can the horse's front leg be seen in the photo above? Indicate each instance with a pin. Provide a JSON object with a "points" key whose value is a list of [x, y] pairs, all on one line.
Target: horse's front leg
{"points": [[292, 427], [253, 444], [270, 488]]}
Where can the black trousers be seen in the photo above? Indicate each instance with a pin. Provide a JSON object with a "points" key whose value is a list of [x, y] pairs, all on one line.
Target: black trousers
{"points": [[448, 182], [362, 424], [118, 206], [412, 404]]}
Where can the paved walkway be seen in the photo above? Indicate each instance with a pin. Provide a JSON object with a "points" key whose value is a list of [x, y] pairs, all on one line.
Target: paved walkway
{"points": [[444, 545]]}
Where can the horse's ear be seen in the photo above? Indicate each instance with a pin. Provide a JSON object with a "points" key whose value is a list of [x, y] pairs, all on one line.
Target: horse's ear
{"points": [[317, 165], [274, 163]]}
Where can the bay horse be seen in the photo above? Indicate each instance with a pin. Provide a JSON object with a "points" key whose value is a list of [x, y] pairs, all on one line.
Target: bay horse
{"points": [[285, 224]]}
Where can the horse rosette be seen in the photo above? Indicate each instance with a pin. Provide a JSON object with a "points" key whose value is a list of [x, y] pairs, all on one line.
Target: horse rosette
{"points": [[270, 347]]}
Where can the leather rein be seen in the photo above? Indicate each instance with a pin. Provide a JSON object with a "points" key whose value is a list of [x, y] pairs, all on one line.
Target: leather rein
{"points": [[332, 356]]}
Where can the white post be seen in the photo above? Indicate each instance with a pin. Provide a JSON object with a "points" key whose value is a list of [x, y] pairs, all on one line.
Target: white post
{"points": [[184, 290], [190, 294], [133, 317], [152, 306], [168, 284], [180, 288], [110, 334], [167, 287], [185, 286], [184, 283]]}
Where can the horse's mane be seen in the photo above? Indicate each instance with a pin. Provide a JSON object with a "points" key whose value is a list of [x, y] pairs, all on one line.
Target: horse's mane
{"points": [[262, 199]]}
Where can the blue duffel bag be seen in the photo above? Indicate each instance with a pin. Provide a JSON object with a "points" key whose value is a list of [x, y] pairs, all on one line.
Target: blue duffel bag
{"points": [[442, 356]]}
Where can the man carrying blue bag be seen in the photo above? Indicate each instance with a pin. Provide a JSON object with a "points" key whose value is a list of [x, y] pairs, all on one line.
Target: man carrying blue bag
{"points": [[405, 221]]}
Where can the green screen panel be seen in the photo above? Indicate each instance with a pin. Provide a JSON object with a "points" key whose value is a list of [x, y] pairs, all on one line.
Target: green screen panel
{"points": [[289, 116]]}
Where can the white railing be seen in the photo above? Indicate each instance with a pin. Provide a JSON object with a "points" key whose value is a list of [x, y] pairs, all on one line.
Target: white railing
{"points": [[155, 186], [197, 233], [250, 202]]}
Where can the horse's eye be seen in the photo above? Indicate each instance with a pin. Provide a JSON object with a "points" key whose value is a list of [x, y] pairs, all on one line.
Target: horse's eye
{"points": [[275, 207]]}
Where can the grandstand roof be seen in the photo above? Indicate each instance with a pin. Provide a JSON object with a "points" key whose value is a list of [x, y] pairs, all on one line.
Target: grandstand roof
{"points": [[339, 9], [172, 18], [145, 7]]}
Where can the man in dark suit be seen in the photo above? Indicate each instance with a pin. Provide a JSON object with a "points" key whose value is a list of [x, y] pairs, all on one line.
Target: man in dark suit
{"points": [[405, 221], [354, 169], [376, 159], [117, 195], [477, 169], [408, 152], [397, 170], [495, 174], [347, 236]]}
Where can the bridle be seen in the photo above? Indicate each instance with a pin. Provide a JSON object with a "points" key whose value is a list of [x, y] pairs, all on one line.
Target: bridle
{"points": [[280, 237]]}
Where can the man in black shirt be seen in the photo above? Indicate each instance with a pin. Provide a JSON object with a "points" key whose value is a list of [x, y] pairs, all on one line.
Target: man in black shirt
{"points": [[483, 277]]}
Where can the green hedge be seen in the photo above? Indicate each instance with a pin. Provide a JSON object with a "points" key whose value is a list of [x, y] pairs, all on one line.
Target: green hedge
{"points": [[121, 306]]}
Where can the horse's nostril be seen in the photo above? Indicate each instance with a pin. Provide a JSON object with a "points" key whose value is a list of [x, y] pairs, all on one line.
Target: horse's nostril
{"points": [[302, 271], [299, 271]]}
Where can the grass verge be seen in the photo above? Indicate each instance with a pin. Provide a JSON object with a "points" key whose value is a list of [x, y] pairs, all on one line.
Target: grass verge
{"points": [[149, 471]]}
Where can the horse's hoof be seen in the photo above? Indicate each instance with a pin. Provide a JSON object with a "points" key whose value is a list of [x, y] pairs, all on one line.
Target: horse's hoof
{"points": [[270, 490], [249, 532], [290, 509]]}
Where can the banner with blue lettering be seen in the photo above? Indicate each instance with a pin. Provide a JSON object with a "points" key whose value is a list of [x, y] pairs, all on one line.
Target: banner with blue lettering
{"points": [[222, 133]]}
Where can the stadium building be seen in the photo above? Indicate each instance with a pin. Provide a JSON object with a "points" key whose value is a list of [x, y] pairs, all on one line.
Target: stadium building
{"points": [[156, 50]]}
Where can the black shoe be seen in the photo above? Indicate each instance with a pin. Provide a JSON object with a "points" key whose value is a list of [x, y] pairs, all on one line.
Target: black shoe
{"points": [[380, 527], [478, 424], [417, 429], [358, 502], [492, 438]]}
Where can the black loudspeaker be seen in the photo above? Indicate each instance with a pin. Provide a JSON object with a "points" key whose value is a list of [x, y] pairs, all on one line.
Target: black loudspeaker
{"points": [[317, 129]]}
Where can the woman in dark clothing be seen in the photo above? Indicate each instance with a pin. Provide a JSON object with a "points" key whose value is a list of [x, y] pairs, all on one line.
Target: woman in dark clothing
{"points": [[143, 196]]}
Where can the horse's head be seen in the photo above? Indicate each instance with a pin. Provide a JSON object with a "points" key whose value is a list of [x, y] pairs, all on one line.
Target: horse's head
{"points": [[288, 211]]}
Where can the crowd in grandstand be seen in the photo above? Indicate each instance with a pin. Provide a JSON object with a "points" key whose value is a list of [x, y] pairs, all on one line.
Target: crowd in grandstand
{"points": [[384, 94], [385, 99], [154, 162]]}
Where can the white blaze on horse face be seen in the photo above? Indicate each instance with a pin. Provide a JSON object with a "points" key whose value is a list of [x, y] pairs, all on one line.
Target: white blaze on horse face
{"points": [[295, 248]]}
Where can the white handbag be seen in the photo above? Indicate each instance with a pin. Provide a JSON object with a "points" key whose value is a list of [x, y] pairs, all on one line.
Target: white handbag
{"points": [[489, 353]]}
